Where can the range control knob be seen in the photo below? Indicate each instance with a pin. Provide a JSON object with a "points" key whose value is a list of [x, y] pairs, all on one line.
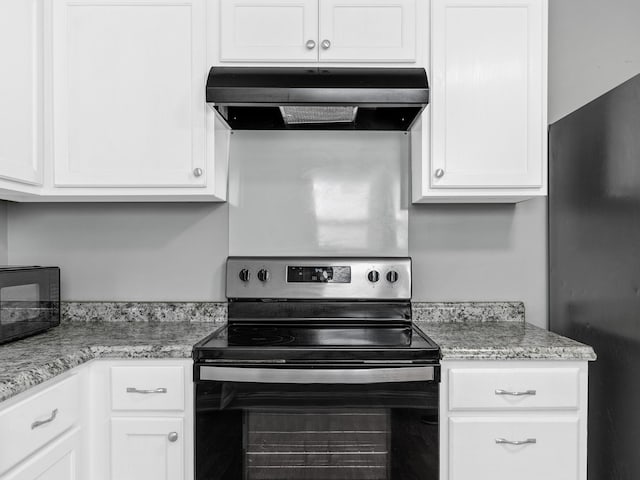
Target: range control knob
{"points": [[263, 275], [244, 275], [373, 276], [392, 276]]}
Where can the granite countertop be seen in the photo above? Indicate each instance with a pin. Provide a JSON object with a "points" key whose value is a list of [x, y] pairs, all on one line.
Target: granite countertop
{"points": [[499, 340], [464, 331], [33, 360]]}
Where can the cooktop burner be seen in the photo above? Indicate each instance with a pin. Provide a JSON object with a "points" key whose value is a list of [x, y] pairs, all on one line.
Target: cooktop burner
{"points": [[282, 343], [320, 311], [259, 336], [317, 336]]}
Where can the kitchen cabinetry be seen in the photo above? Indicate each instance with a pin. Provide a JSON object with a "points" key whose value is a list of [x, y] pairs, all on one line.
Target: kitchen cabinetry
{"points": [[483, 137], [318, 31], [109, 102], [41, 431], [128, 108], [21, 50], [513, 419], [58, 461], [147, 448], [143, 417]]}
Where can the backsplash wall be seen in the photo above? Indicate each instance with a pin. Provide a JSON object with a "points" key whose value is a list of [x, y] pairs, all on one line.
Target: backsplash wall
{"points": [[176, 252], [132, 251]]}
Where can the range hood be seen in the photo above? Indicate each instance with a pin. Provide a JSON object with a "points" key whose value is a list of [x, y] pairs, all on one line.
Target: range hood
{"points": [[266, 98]]}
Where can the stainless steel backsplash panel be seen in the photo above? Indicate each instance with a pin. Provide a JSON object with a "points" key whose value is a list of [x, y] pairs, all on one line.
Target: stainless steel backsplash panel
{"points": [[304, 193]]}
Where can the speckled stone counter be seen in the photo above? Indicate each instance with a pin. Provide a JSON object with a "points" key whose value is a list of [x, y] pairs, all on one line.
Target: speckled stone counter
{"points": [[496, 337], [464, 331], [134, 330]]}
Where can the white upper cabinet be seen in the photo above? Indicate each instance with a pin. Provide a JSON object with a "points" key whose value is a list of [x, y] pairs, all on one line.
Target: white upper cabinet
{"points": [[21, 94], [367, 31], [128, 93], [485, 139], [269, 31], [308, 31]]}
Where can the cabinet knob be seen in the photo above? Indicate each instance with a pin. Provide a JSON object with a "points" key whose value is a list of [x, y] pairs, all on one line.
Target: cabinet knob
{"points": [[173, 436], [326, 44], [198, 172], [439, 173], [310, 44]]}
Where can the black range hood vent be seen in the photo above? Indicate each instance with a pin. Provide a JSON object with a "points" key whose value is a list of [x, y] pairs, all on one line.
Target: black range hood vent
{"points": [[266, 98]]}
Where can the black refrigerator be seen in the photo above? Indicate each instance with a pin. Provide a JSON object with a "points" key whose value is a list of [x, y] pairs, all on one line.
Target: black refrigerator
{"points": [[594, 266]]}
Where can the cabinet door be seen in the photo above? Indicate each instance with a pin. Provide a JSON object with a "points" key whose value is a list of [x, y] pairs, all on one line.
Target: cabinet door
{"points": [[269, 31], [128, 93], [149, 448], [488, 94], [477, 448], [58, 461], [367, 30], [21, 87]]}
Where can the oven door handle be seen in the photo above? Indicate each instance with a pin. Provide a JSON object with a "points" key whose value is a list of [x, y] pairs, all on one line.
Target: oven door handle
{"points": [[318, 375]]}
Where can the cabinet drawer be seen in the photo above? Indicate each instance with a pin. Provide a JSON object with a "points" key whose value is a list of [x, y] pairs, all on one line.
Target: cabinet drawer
{"points": [[28, 425], [513, 389], [475, 451], [147, 388]]}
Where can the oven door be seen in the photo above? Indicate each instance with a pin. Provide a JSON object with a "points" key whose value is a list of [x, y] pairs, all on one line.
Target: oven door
{"points": [[320, 423]]}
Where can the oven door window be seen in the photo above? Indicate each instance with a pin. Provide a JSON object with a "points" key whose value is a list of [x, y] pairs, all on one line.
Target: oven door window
{"points": [[285, 431]]}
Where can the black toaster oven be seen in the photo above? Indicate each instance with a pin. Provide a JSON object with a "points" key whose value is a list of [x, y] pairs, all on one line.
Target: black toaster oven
{"points": [[29, 301]]}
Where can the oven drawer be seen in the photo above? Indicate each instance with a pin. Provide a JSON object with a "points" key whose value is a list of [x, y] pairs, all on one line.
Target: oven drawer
{"points": [[513, 448], [513, 388], [147, 388], [28, 425]]}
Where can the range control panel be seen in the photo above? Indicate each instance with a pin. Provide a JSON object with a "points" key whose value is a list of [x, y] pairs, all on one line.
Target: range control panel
{"points": [[319, 278]]}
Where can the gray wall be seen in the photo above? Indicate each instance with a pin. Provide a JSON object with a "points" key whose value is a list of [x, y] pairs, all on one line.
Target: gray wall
{"points": [[4, 257], [594, 45], [177, 251], [169, 251], [481, 252]]}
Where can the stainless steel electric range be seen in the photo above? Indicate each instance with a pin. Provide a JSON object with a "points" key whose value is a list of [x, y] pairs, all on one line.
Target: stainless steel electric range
{"points": [[319, 374]]}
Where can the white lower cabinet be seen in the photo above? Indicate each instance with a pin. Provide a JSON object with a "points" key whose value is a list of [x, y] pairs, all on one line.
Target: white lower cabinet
{"points": [[147, 448], [105, 420], [142, 420], [43, 432], [506, 448], [501, 420], [58, 461]]}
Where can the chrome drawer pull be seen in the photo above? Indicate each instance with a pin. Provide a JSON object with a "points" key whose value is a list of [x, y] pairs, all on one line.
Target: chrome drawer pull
{"points": [[504, 441], [39, 423], [153, 390], [515, 394]]}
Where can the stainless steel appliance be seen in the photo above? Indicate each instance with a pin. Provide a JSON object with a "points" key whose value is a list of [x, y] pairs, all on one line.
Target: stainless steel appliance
{"points": [[29, 301], [293, 98], [319, 374], [594, 265]]}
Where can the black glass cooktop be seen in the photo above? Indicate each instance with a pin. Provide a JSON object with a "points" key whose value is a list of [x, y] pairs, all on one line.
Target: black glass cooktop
{"points": [[277, 342]]}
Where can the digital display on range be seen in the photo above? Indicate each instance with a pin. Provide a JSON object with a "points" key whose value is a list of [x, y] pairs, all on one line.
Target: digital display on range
{"points": [[319, 274]]}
